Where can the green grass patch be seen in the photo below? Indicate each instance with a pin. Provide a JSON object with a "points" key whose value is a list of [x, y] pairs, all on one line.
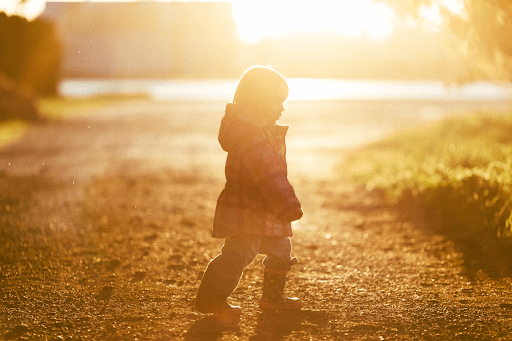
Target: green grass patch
{"points": [[66, 107], [458, 170], [61, 108], [11, 131]]}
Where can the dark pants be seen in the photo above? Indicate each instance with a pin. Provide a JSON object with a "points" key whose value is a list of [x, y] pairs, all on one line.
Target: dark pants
{"points": [[224, 271]]}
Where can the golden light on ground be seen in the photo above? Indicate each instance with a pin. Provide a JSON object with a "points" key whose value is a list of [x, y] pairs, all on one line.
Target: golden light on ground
{"points": [[261, 19]]}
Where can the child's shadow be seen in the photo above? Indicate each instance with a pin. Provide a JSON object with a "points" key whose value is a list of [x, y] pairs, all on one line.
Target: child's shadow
{"points": [[208, 328], [274, 325]]}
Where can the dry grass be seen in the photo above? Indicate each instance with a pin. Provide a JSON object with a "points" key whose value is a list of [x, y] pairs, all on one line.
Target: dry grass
{"points": [[458, 169]]}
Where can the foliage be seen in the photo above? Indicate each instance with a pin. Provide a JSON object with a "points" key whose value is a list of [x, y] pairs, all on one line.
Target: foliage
{"points": [[484, 28], [17, 101], [30, 53], [459, 170]]}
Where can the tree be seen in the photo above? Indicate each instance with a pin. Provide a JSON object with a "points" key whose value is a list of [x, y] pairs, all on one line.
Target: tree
{"points": [[28, 9], [483, 28], [30, 53]]}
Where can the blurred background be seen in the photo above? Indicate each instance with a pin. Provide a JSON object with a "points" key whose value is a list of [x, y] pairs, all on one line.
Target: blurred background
{"points": [[47, 46], [361, 69]]}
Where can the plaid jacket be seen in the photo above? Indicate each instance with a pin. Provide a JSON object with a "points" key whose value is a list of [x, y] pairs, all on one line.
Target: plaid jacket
{"points": [[257, 198]]}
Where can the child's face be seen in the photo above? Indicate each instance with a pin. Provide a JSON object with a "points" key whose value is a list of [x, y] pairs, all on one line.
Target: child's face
{"points": [[273, 110]]}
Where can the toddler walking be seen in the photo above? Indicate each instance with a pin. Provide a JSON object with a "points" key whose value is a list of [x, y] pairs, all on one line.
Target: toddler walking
{"points": [[255, 209]]}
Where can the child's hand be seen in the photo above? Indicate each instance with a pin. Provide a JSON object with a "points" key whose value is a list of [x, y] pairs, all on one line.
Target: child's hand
{"points": [[291, 214]]}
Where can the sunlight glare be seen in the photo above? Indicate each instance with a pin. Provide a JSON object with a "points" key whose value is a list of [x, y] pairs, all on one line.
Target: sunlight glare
{"points": [[30, 9], [454, 6], [432, 14], [261, 19]]}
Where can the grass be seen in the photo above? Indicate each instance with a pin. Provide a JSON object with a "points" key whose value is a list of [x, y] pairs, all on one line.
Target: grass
{"points": [[66, 107], [11, 131], [59, 108], [458, 170]]}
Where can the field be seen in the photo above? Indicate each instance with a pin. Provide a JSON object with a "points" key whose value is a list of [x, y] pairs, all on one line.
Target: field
{"points": [[458, 170], [106, 214]]}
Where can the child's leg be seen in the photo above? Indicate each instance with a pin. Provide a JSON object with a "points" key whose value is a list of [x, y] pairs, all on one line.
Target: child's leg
{"points": [[278, 251], [276, 264], [223, 273]]}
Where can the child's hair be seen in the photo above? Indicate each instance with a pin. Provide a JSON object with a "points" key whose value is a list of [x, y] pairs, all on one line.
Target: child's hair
{"points": [[259, 85]]}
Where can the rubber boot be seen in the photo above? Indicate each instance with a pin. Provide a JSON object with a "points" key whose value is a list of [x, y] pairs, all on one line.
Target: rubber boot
{"points": [[225, 313], [216, 306], [211, 299], [274, 281]]}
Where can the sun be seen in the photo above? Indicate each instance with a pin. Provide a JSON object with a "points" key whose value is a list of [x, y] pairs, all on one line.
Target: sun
{"points": [[259, 19]]}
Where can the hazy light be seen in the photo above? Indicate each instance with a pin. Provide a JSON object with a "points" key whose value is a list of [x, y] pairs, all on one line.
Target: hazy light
{"points": [[301, 89], [274, 19], [431, 15], [257, 19], [454, 6], [30, 10]]}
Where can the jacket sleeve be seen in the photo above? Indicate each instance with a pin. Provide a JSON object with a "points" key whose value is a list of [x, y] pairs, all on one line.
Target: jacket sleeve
{"points": [[263, 166]]}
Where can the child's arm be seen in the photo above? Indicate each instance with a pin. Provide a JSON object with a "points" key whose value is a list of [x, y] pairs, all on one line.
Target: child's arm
{"points": [[268, 174]]}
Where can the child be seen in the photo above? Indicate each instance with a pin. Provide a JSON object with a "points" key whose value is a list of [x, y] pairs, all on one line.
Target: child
{"points": [[257, 205]]}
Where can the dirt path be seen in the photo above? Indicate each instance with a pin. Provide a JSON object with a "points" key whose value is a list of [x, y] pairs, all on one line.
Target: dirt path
{"points": [[105, 232]]}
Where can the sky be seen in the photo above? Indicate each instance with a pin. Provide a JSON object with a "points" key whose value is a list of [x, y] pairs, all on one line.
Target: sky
{"points": [[258, 19]]}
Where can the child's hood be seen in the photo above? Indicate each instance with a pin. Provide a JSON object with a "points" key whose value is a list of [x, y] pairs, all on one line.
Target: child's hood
{"points": [[236, 124], [232, 128]]}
